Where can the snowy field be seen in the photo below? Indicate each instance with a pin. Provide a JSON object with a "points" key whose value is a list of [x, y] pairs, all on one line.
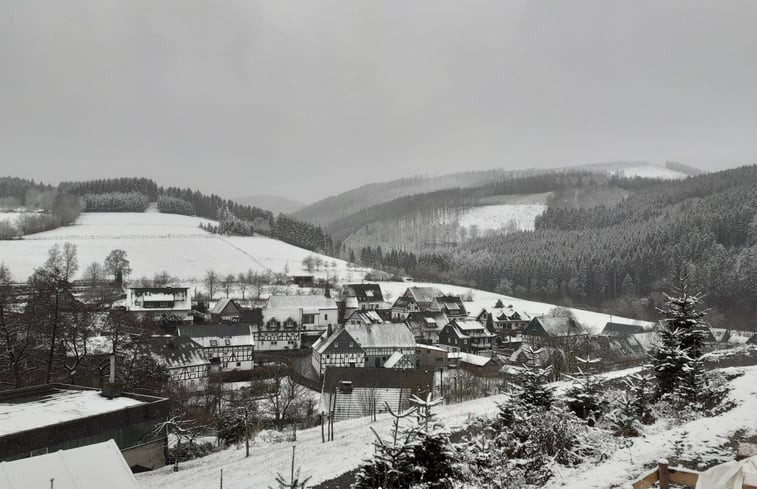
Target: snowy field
{"points": [[651, 171], [706, 439], [511, 217], [155, 242], [592, 321]]}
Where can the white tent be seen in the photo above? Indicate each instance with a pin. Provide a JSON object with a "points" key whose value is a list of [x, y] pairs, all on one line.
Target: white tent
{"points": [[88, 467]]}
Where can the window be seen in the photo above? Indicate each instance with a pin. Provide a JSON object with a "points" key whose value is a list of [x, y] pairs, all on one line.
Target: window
{"points": [[213, 342], [227, 342], [239, 364], [336, 344], [351, 344], [325, 317], [274, 342], [308, 318]]}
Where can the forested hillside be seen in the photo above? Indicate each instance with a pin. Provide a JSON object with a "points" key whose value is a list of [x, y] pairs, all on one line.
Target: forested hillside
{"points": [[432, 221], [342, 205], [620, 257]]}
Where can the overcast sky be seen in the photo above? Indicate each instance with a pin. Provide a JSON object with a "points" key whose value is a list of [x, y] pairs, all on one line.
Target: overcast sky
{"points": [[306, 99]]}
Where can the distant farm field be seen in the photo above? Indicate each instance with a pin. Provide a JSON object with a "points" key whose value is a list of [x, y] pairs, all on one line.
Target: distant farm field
{"points": [[156, 242]]}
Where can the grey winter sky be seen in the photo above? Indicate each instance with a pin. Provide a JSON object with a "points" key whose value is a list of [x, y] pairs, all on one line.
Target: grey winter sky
{"points": [[309, 98]]}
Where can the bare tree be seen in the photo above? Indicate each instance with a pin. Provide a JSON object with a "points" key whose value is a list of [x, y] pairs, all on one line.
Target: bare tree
{"points": [[282, 395], [228, 283], [242, 284], [16, 339], [211, 280], [94, 273], [51, 291]]}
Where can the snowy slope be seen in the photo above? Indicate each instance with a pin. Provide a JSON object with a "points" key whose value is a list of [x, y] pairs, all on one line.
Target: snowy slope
{"points": [[155, 242], [593, 321], [519, 217], [353, 443]]}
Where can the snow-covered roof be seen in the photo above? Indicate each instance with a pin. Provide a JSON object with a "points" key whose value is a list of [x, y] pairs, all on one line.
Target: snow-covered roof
{"points": [[221, 305], [282, 307], [87, 467], [386, 335], [470, 358], [365, 317], [235, 334], [424, 294], [55, 406], [176, 351]]}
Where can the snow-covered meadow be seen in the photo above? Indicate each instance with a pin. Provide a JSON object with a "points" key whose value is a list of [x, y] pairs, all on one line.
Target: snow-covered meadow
{"points": [[155, 242]]}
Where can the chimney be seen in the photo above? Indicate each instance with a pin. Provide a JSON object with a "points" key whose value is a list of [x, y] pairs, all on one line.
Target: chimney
{"points": [[111, 389]]}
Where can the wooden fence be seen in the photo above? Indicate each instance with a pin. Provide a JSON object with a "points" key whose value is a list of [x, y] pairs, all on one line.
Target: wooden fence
{"points": [[665, 476]]}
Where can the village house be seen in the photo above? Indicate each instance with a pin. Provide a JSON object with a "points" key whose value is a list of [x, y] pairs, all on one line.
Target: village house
{"points": [[553, 331], [478, 365], [355, 392], [226, 310], [415, 299], [362, 296], [273, 336], [370, 345], [428, 356], [183, 358], [72, 468], [159, 303], [452, 306], [621, 329], [229, 345], [51, 417], [427, 325], [504, 321], [306, 312], [466, 335]]}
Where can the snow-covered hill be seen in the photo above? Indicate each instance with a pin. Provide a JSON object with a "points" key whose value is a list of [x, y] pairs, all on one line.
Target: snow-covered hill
{"points": [[155, 242]]}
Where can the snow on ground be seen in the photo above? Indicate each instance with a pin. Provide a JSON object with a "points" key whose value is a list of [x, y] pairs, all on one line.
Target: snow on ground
{"points": [[155, 242], [57, 406], [510, 217], [322, 461], [353, 443], [700, 438], [592, 321]]}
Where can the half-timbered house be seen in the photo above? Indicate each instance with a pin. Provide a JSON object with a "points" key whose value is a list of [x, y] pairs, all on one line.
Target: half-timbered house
{"points": [[466, 335], [230, 345]]}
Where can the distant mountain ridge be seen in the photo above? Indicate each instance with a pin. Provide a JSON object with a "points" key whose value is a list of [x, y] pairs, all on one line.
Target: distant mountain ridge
{"points": [[275, 203], [328, 210]]}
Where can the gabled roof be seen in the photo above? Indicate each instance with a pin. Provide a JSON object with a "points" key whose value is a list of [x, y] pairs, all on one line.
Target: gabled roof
{"points": [[426, 321], [624, 329], [176, 351], [386, 335], [363, 292], [324, 341], [222, 304], [365, 317], [470, 358], [554, 326], [86, 467], [424, 294], [452, 304]]}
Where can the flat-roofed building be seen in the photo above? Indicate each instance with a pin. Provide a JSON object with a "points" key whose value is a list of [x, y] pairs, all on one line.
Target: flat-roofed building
{"points": [[46, 418]]}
